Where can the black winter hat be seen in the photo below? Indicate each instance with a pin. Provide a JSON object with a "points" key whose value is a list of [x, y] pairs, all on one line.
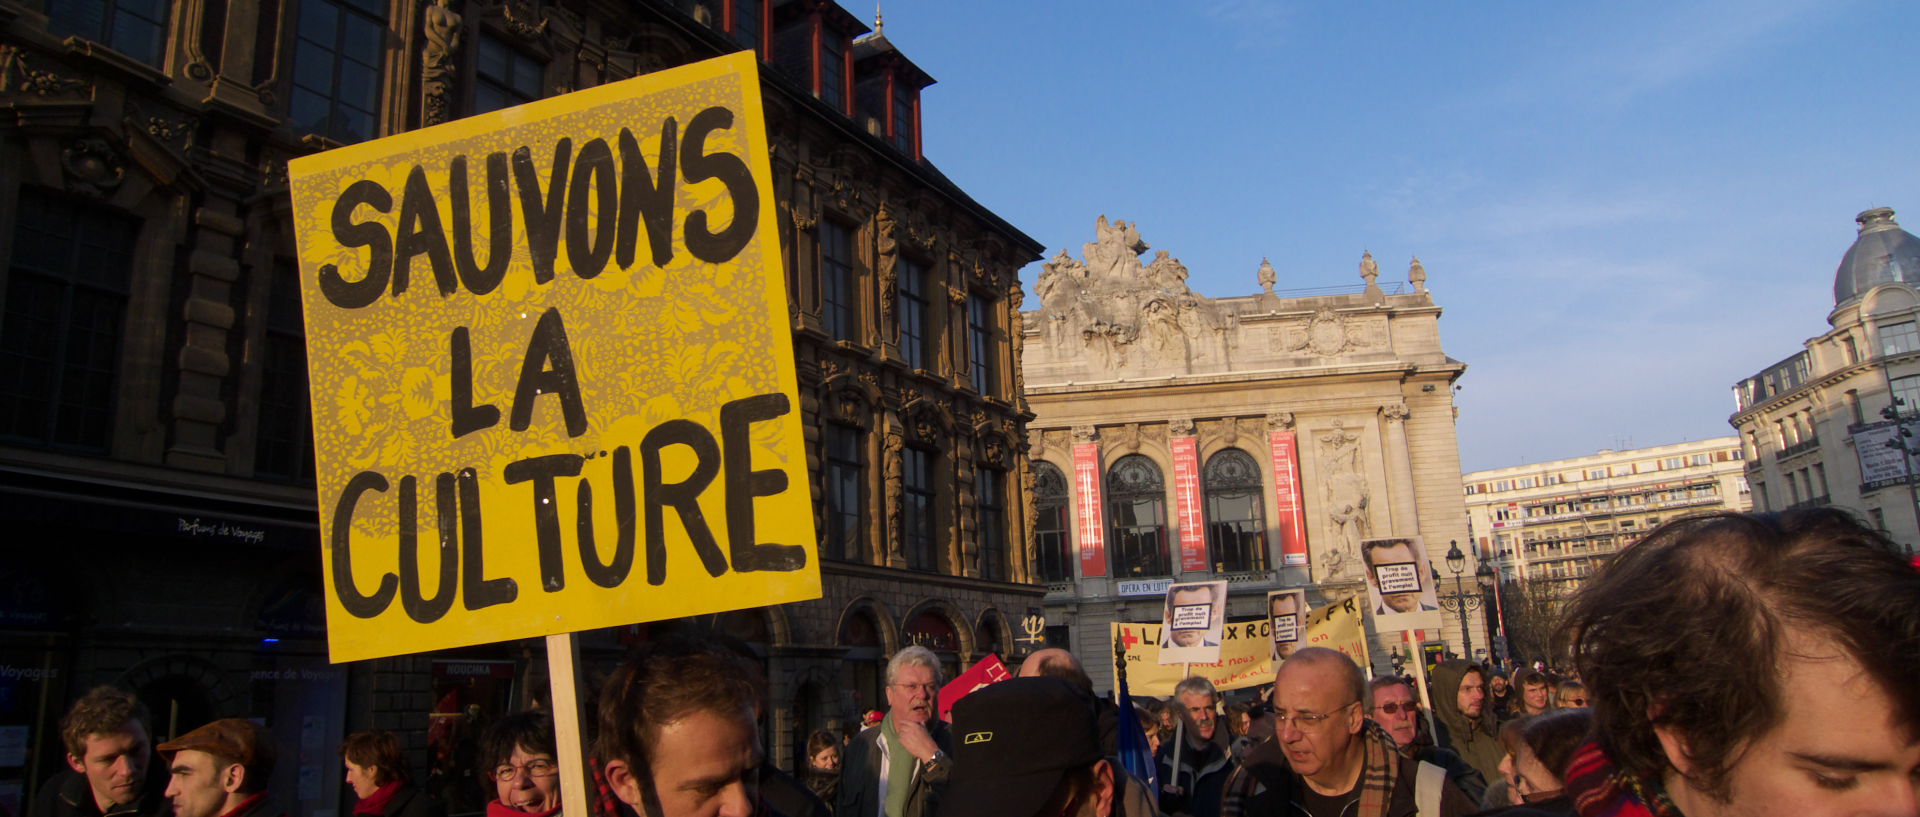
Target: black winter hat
{"points": [[1014, 742]]}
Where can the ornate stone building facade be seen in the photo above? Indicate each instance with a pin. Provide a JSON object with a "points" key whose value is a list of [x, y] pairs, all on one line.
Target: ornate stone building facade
{"points": [[1820, 427], [155, 469], [1254, 438]]}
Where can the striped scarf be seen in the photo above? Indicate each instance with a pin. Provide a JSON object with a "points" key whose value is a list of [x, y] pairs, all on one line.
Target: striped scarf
{"points": [[1266, 770], [1601, 789]]}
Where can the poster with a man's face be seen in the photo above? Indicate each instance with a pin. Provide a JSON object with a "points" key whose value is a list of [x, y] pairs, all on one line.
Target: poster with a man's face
{"points": [[1195, 618], [1400, 584], [1286, 622]]}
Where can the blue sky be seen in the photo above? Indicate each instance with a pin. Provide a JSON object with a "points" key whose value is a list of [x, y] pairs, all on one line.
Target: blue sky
{"points": [[1622, 207]]}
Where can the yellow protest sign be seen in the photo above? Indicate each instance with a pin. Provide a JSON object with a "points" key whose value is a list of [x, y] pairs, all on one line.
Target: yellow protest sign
{"points": [[1245, 658], [1337, 626], [552, 374]]}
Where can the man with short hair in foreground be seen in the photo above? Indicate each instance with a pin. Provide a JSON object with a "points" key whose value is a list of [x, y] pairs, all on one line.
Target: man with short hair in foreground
{"points": [[108, 755], [1326, 759], [221, 770], [1754, 665], [678, 733]]}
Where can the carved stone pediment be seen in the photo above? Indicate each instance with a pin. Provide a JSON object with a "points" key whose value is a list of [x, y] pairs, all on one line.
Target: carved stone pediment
{"points": [[1329, 333]]}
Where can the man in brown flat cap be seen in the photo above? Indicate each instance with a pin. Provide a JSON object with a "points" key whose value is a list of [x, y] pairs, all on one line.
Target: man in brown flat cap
{"points": [[221, 770]]}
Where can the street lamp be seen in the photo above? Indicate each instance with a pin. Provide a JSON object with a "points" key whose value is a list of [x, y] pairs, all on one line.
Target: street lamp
{"points": [[1903, 442], [1461, 600]]}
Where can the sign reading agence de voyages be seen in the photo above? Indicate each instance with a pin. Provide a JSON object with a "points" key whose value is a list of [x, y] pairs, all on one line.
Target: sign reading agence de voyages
{"points": [[552, 376]]}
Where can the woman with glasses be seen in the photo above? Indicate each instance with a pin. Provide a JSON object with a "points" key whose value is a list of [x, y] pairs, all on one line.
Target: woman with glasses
{"points": [[519, 750]]}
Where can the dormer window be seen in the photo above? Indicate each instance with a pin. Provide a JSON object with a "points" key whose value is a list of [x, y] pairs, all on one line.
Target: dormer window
{"points": [[830, 79], [746, 23], [904, 118]]}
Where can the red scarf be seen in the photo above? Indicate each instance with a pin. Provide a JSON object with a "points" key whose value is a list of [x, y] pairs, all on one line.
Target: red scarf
{"points": [[1601, 789], [376, 803], [245, 804], [499, 809]]}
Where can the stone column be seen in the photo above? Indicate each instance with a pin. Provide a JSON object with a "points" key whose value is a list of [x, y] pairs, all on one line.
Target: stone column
{"points": [[1399, 462]]}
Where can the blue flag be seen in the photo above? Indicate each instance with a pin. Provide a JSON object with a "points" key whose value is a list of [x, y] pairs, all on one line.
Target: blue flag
{"points": [[1135, 755]]}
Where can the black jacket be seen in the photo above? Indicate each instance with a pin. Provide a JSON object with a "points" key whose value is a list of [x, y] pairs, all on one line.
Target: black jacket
{"points": [[1202, 774], [789, 796], [860, 775], [1275, 787], [411, 802], [68, 794]]}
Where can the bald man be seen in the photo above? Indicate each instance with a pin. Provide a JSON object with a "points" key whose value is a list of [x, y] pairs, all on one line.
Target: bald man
{"points": [[1058, 663]]}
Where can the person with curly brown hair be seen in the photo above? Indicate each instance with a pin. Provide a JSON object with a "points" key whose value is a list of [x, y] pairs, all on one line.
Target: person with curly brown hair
{"points": [[1750, 664]]}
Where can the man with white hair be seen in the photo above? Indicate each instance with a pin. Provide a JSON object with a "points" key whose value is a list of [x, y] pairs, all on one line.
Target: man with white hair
{"points": [[900, 768]]}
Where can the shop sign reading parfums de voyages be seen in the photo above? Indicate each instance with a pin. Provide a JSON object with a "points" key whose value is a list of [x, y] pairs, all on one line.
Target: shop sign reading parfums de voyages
{"points": [[552, 375]]}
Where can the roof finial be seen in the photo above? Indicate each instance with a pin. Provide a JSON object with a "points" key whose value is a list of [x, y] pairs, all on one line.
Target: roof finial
{"points": [[879, 22]]}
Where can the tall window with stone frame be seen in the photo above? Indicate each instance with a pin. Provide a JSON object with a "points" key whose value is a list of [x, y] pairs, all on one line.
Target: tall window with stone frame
{"points": [[1137, 508], [980, 347], [504, 77], [837, 312], [917, 508], [283, 443], [65, 312], [136, 28], [1052, 529], [903, 121], [336, 68], [842, 474], [913, 311], [1236, 520], [990, 522]]}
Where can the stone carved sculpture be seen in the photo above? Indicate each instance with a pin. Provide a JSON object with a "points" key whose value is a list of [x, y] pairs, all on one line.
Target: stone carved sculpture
{"points": [[1120, 314], [1326, 334], [887, 261], [1280, 421], [1368, 269], [1347, 503], [893, 445], [1417, 275], [438, 69], [1180, 426], [1267, 276]]}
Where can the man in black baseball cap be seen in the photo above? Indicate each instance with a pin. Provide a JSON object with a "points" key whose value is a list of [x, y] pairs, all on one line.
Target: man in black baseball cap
{"points": [[1030, 747], [1027, 746]]}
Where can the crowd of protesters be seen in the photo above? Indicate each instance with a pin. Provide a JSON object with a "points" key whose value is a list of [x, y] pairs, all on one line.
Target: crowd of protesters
{"points": [[1730, 664]]}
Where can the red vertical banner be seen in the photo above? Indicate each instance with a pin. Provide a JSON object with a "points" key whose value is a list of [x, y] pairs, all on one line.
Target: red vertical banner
{"points": [[1092, 536], [1290, 518], [1186, 491]]}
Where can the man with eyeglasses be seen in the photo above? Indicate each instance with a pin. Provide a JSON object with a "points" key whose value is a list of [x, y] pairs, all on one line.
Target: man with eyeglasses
{"points": [[900, 768], [520, 750], [1397, 711], [1326, 759]]}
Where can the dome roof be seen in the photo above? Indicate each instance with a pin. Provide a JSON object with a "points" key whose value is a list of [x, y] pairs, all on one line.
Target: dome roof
{"points": [[1883, 253]]}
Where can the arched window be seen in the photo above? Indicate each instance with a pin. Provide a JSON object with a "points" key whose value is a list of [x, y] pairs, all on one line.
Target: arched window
{"points": [[1137, 510], [1052, 537], [1236, 526]]}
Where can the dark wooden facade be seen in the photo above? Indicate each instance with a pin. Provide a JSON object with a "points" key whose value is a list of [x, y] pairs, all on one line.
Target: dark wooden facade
{"points": [[155, 473]]}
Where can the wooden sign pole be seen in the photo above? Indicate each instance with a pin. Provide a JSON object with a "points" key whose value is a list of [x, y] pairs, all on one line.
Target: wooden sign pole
{"points": [[1419, 660], [563, 660]]}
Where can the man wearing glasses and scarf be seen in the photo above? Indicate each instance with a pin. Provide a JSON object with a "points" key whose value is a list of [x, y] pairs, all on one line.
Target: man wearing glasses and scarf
{"points": [[1326, 759]]}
